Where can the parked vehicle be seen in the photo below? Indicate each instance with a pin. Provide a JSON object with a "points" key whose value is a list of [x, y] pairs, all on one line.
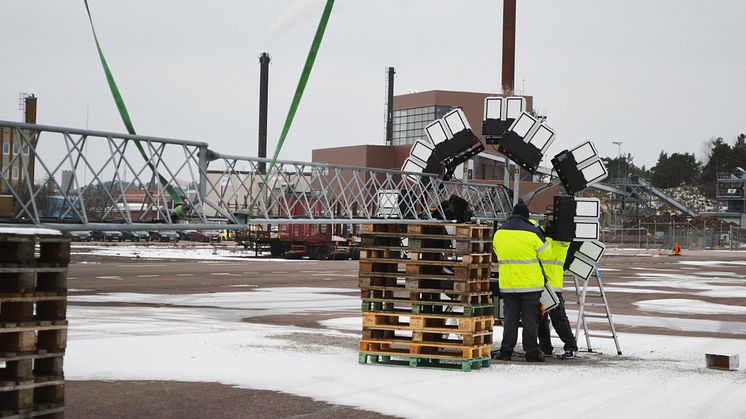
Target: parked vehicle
{"points": [[136, 236], [81, 236], [107, 236], [205, 236], [315, 241], [164, 236], [185, 234]]}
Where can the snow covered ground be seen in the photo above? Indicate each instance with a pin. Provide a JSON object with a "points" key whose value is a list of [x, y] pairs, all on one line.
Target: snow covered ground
{"points": [[658, 376], [205, 252]]}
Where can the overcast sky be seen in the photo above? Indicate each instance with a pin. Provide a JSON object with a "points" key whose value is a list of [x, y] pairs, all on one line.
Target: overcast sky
{"points": [[656, 75]]}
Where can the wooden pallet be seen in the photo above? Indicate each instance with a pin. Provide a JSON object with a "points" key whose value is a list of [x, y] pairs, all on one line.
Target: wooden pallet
{"points": [[41, 411], [419, 257], [34, 250], [27, 309], [40, 337], [423, 361], [20, 367], [425, 269], [38, 396], [33, 325], [471, 298], [24, 280], [449, 309], [426, 285], [416, 245], [378, 334], [429, 231], [428, 323], [439, 350]]}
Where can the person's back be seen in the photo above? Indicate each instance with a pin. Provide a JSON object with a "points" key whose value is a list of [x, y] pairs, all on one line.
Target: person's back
{"points": [[519, 247], [517, 244]]}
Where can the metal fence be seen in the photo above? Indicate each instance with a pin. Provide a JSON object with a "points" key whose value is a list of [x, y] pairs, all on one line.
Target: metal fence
{"points": [[666, 235], [79, 179]]}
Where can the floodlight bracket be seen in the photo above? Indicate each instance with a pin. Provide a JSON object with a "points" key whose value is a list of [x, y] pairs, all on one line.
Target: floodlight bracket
{"points": [[494, 129], [523, 154], [567, 170]]}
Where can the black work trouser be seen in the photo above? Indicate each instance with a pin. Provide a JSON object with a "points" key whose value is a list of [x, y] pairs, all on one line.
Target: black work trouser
{"points": [[561, 324], [523, 305]]}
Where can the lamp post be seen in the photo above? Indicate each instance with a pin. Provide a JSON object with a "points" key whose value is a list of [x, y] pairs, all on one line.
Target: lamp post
{"points": [[618, 171], [619, 158]]}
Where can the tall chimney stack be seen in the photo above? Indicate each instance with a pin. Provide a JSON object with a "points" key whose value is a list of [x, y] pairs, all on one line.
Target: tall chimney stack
{"points": [[390, 108], [508, 73], [29, 110], [264, 60]]}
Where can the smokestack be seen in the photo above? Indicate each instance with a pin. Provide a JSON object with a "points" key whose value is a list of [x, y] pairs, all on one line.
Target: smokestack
{"points": [[390, 109], [29, 113], [508, 73], [264, 60]]}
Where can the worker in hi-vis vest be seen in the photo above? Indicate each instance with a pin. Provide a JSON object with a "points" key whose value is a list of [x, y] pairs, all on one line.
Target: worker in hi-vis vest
{"points": [[519, 247], [555, 273]]}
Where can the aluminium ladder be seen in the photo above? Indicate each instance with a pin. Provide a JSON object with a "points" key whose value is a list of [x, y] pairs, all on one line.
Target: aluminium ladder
{"points": [[582, 294]]}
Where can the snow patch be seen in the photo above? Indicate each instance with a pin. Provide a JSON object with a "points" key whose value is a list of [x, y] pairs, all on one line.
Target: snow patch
{"points": [[686, 306], [354, 324], [712, 262], [213, 345], [30, 231], [260, 302], [162, 252]]}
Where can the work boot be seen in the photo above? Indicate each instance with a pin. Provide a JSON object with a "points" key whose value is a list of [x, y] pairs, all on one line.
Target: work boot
{"points": [[569, 355], [547, 352], [535, 357], [504, 356]]}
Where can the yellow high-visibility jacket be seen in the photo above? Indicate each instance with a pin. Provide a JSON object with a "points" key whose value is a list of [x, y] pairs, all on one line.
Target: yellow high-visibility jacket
{"points": [[520, 249], [554, 268]]}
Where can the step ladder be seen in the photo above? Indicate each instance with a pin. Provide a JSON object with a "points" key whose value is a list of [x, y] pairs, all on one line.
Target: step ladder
{"points": [[591, 299]]}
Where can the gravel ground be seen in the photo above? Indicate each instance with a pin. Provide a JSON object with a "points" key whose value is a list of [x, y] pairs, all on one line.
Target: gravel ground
{"points": [[171, 399], [90, 274]]}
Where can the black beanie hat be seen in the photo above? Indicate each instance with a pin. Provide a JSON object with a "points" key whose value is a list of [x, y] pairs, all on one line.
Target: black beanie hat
{"points": [[521, 209]]}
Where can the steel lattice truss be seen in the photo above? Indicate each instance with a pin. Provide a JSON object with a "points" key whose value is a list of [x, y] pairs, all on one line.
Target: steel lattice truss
{"points": [[78, 179]]}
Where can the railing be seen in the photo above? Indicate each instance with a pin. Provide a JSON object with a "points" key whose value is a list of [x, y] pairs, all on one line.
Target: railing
{"points": [[664, 235], [75, 179]]}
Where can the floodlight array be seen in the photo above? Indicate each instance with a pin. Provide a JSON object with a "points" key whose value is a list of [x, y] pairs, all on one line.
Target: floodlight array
{"points": [[499, 114], [526, 141], [583, 257], [579, 167], [575, 219], [451, 142]]}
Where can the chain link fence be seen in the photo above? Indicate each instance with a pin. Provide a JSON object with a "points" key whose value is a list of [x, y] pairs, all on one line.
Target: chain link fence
{"points": [[665, 235]]}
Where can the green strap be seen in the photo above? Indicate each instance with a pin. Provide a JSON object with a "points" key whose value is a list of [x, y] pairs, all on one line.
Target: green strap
{"points": [[178, 203], [299, 90]]}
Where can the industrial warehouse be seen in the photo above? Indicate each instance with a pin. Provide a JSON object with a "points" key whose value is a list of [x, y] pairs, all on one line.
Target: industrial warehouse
{"points": [[492, 209]]}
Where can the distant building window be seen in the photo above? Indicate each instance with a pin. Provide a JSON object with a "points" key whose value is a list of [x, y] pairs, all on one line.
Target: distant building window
{"points": [[6, 148], [15, 173], [25, 149], [15, 149], [409, 124]]}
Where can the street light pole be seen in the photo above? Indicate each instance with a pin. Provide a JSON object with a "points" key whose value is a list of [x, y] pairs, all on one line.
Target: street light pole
{"points": [[618, 175], [619, 158]]}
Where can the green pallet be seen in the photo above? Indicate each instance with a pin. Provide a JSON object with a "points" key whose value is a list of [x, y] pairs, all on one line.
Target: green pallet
{"points": [[419, 361], [425, 307]]}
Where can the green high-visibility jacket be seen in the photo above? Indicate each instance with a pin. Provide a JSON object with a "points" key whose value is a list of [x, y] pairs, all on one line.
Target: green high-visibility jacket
{"points": [[520, 248], [554, 268]]}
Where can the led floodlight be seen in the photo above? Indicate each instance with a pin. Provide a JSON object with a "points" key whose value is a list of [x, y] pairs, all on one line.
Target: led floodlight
{"points": [[579, 167], [436, 132], [575, 219]]}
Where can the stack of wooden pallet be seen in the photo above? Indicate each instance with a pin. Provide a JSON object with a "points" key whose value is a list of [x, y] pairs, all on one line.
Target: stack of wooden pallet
{"points": [[33, 325], [426, 295]]}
